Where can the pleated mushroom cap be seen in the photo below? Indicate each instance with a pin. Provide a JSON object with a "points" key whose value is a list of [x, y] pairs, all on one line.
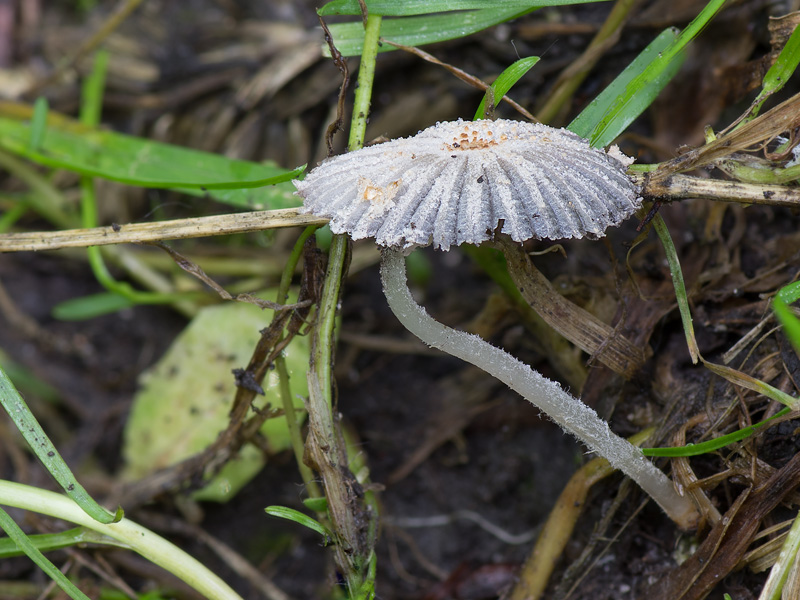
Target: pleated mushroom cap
{"points": [[454, 183]]}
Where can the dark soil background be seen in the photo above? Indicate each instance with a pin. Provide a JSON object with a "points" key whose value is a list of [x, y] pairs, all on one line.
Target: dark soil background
{"points": [[456, 452]]}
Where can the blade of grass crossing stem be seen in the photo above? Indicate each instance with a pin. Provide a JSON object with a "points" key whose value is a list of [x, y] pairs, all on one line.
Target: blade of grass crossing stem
{"points": [[405, 8], [417, 31], [629, 104], [504, 82], [678, 284], [44, 449], [587, 121], [90, 112], [716, 443], [778, 74], [19, 537]]}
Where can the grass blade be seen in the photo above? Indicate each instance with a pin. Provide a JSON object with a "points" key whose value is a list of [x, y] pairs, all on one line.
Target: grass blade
{"points": [[712, 445], [19, 537], [586, 122], [420, 30], [46, 452], [778, 74], [634, 99], [395, 8], [503, 83], [66, 144], [47, 542]]}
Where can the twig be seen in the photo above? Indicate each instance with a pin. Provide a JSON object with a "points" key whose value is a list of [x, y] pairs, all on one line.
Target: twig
{"points": [[163, 230], [462, 75], [674, 187]]}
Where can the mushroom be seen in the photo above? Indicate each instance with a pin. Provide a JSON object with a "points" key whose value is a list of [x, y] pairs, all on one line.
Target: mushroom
{"points": [[459, 182]]}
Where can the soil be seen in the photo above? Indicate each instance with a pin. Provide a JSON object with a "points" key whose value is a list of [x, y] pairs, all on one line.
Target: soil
{"points": [[466, 471]]}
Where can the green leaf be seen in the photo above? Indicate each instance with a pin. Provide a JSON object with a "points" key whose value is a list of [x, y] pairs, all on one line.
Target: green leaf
{"points": [[712, 445], [88, 307], [47, 542], [504, 82], [403, 8], [184, 399], [791, 324], [586, 122], [44, 449], [417, 31], [779, 73], [136, 161], [282, 512], [21, 540], [318, 505], [38, 123], [638, 93]]}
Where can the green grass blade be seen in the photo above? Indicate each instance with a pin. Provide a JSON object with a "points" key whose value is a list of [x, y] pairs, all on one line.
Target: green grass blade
{"points": [[145, 163], [92, 91], [89, 307], [46, 452], [504, 82], [405, 8], [678, 284], [19, 537], [283, 512], [47, 542], [420, 30], [778, 74], [38, 123], [780, 305], [633, 99], [586, 122], [712, 445], [751, 383]]}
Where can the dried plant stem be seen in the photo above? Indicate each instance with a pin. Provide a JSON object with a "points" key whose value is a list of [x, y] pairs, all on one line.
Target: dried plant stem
{"points": [[675, 187], [569, 412]]}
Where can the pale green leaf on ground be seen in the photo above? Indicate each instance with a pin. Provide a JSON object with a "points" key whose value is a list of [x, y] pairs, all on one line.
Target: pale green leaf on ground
{"points": [[184, 400]]}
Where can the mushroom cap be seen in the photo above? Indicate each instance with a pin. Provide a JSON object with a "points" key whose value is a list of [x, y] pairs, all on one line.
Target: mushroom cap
{"points": [[455, 182]]}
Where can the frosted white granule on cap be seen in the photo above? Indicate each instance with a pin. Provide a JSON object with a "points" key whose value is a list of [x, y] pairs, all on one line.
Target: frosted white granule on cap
{"points": [[454, 182]]}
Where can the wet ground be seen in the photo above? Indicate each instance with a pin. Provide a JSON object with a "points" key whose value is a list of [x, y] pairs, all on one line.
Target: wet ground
{"points": [[468, 470]]}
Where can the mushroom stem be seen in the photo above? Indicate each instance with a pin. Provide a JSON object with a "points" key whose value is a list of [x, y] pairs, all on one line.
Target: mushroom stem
{"points": [[570, 413]]}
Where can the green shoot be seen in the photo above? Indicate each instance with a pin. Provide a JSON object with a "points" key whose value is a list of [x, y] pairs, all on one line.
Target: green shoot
{"points": [[504, 82], [282, 512]]}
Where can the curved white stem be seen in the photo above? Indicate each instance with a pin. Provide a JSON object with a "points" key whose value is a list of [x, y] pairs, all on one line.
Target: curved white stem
{"points": [[569, 412], [150, 545]]}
